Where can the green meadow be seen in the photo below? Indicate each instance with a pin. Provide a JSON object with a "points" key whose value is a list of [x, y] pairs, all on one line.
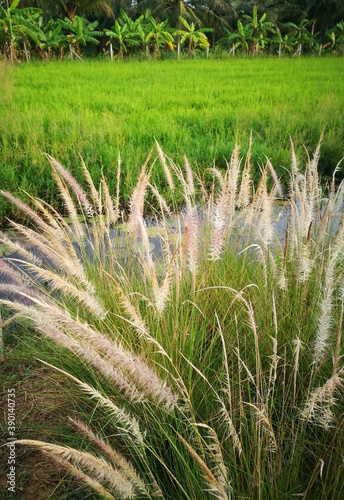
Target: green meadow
{"points": [[199, 108]]}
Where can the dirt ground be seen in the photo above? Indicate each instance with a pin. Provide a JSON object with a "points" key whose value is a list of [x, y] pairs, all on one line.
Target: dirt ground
{"points": [[41, 412]]}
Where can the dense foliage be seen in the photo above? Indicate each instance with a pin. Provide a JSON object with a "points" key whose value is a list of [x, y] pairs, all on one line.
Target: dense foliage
{"points": [[120, 28]]}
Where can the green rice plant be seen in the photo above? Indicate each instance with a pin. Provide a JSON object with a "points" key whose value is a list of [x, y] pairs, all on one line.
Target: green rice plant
{"points": [[208, 344], [98, 109]]}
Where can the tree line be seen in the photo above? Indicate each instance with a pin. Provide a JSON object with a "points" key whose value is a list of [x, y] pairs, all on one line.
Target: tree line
{"points": [[120, 28]]}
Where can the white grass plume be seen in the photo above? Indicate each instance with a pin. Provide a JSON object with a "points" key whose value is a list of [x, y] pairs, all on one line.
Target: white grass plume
{"points": [[318, 408], [73, 184], [117, 459], [96, 467]]}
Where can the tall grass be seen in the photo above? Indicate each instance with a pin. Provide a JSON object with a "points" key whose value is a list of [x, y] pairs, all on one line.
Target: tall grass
{"points": [[101, 109], [211, 366]]}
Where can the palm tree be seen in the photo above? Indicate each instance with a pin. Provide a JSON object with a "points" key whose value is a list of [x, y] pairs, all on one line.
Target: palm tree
{"points": [[321, 13], [71, 8]]}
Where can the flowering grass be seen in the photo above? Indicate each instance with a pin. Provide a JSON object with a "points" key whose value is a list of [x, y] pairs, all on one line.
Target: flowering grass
{"points": [[101, 109], [208, 367]]}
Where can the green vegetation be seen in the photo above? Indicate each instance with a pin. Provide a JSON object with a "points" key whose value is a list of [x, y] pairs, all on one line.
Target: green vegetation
{"points": [[101, 109], [240, 27], [210, 368]]}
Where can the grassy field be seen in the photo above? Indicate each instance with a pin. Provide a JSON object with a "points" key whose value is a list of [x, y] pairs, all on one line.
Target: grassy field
{"points": [[196, 107]]}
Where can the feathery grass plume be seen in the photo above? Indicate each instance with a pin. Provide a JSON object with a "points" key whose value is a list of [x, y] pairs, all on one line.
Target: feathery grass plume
{"points": [[97, 468], [161, 200], [167, 171], [265, 425], [318, 408], [214, 486], [112, 211], [33, 216], [126, 423], [191, 237], [265, 210], [245, 189], [130, 364], [21, 296], [294, 164], [277, 183], [117, 459], [219, 222], [48, 324], [297, 350], [325, 320], [189, 177], [128, 372], [80, 476], [219, 469], [93, 191], [51, 217], [55, 253], [17, 247], [55, 282], [137, 198], [76, 228], [224, 207], [163, 292], [74, 186]]}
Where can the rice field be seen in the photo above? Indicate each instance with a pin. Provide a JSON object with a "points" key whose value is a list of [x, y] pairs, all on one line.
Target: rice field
{"points": [[199, 108]]}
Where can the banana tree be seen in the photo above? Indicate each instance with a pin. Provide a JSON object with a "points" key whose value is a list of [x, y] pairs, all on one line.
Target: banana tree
{"points": [[79, 32], [335, 40], [301, 34], [55, 40], [239, 39], [159, 35], [284, 42], [195, 37], [258, 29], [122, 37], [18, 26]]}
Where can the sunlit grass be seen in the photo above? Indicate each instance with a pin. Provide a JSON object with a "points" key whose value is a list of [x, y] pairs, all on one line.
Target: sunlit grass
{"points": [[200, 107]]}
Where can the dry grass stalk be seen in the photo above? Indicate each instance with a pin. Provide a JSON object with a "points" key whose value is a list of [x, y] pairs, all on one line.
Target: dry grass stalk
{"points": [[79, 475], [167, 171], [220, 470], [117, 459], [96, 467], [318, 407], [213, 485], [126, 424], [73, 184]]}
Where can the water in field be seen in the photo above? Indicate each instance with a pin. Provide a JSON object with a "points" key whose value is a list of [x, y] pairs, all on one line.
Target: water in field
{"points": [[125, 245]]}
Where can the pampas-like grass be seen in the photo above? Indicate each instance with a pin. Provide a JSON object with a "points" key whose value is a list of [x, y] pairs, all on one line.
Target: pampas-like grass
{"points": [[95, 467], [205, 352]]}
